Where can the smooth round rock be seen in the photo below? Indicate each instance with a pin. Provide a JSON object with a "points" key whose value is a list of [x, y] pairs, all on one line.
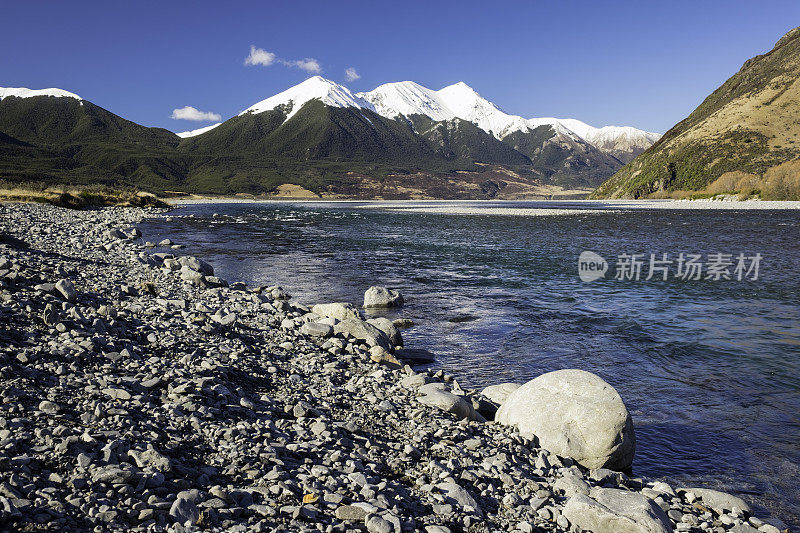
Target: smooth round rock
{"points": [[574, 414]]}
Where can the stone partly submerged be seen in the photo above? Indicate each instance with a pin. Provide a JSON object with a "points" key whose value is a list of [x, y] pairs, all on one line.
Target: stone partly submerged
{"points": [[382, 297], [415, 356], [386, 326], [576, 414]]}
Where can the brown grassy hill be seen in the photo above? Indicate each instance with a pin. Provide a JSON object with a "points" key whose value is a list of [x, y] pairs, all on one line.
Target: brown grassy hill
{"points": [[749, 125]]}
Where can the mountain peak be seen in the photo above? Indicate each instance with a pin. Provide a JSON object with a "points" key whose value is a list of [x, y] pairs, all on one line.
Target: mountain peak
{"points": [[467, 104], [22, 92], [460, 86], [315, 87], [457, 101], [319, 81]]}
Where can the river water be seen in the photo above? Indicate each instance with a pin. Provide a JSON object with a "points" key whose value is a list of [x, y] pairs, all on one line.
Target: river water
{"points": [[709, 368]]}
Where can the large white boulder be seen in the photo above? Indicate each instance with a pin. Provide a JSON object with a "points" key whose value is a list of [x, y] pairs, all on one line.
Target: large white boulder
{"points": [[616, 511], [382, 297], [574, 414]]}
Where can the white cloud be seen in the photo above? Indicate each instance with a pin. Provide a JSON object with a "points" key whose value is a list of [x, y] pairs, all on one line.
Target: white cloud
{"points": [[259, 56], [308, 64], [190, 113], [350, 74]]}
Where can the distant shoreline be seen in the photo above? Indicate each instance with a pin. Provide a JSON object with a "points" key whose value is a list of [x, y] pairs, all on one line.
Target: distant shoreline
{"points": [[485, 207]]}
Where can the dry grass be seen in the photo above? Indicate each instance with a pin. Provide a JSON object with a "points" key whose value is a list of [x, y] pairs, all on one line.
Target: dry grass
{"points": [[781, 182], [733, 182], [77, 198], [290, 190]]}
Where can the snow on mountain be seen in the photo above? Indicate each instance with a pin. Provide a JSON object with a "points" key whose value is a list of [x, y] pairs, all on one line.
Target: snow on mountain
{"points": [[467, 104], [621, 137], [581, 128], [316, 87], [558, 126], [198, 131], [454, 101], [407, 98], [624, 138], [461, 101], [22, 92]]}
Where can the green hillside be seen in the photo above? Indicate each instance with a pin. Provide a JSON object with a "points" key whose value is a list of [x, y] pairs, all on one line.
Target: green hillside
{"points": [[64, 140]]}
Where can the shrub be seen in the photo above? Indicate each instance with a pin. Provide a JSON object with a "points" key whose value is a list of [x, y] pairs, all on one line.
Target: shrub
{"points": [[782, 182], [732, 182]]}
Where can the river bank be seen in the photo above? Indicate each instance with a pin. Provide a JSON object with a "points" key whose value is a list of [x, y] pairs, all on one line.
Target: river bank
{"points": [[508, 207], [142, 392]]}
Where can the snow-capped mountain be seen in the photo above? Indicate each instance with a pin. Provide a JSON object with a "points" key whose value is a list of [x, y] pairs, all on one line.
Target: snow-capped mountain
{"points": [[55, 136], [461, 101], [467, 104], [457, 101], [316, 87], [624, 142], [398, 119], [318, 130], [22, 92]]}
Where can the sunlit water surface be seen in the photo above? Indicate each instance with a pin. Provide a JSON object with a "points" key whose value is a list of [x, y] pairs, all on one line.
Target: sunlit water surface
{"points": [[710, 370]]}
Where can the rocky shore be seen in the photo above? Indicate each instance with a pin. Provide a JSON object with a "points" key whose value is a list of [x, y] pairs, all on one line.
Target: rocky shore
{"points": [[140, 392]]}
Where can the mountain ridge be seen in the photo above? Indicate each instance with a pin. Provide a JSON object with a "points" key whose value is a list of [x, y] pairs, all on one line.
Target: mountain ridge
{"points": [[317, 135], [747, 126], [459, 100]]}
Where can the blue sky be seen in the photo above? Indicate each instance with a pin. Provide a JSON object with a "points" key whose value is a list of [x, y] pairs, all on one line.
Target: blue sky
{"points": [[644, 64]]}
